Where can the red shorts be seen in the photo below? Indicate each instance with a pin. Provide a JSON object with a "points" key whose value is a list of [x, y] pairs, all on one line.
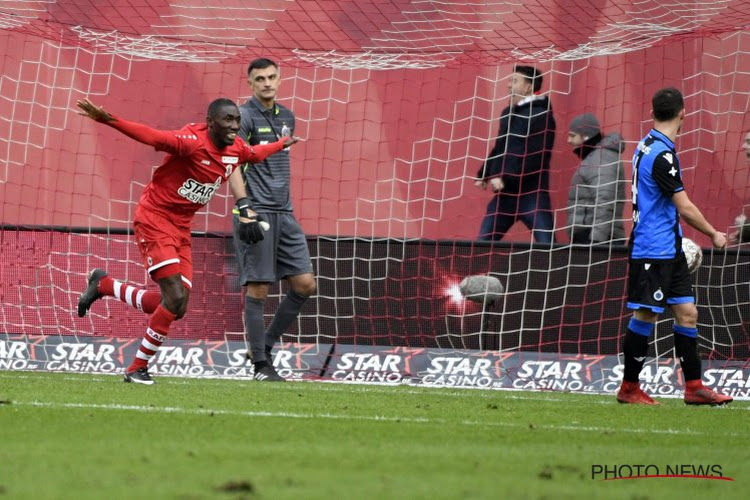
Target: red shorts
{"points": [[165, 248]]}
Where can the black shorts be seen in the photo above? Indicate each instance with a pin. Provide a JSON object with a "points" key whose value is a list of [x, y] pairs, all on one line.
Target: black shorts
{"points": [[655, 284], [281, 253]]}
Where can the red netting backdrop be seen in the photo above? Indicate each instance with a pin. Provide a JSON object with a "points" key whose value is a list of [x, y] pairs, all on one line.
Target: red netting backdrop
{"points": [[398, 103]]}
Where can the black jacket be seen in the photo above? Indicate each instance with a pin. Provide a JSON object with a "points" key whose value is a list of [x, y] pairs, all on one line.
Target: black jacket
{"points": [[521, 155]]}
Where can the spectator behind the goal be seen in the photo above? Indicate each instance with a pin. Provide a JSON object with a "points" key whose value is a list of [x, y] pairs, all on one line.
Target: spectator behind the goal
{"points": [[658, 272], [263, 187], [742, 234], [597, 189], [200, 157], [517, 168]]}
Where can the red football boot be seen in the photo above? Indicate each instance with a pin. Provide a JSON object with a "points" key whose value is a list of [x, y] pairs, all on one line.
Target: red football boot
{"points": [[631, 393], [698, 394]]}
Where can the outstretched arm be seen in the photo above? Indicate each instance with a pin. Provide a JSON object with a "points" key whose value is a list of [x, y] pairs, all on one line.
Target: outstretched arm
{"points": [[258, 153], [160, 139]]}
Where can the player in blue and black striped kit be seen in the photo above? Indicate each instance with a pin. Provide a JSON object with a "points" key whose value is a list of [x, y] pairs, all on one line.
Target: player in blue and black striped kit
{"points": [[658, 272]]}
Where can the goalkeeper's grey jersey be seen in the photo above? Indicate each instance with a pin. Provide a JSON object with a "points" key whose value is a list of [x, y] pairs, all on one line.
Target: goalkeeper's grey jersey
{"points": [[267, 183]]}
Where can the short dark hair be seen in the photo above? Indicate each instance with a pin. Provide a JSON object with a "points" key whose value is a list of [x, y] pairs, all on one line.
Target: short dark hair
{"points": [[217, 104], [531, 73], [667, 104], [260, 63]]}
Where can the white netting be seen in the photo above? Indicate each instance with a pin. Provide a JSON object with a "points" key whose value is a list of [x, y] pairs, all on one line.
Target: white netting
{"points": [[398, 103]]}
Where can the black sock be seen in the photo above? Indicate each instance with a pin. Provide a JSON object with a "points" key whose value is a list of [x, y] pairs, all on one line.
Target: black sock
{"points": [[634, 349], [686, 349], [255, 328], [284, 317]]}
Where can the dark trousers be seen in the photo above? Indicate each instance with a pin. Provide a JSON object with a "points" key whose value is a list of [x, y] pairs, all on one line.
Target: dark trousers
{"points": [[533, 209]]}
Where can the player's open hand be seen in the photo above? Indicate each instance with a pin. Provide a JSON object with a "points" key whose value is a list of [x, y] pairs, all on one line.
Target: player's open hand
{"points": [[288, 141], [93, 111]]}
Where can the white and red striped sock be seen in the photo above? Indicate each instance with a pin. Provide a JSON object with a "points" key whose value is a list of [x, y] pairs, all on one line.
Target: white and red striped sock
{"points": [[143, 300], [155, 336]]}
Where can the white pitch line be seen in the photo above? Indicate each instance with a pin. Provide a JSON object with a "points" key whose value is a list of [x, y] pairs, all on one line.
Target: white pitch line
{"points": [[370, 418]]}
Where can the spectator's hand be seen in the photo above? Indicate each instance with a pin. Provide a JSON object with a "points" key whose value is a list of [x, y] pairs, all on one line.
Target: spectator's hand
{"points": [[290, 140], [733, 238], [497, 184], [719, 239], [742, 234], [480, 184], [93, 111]]}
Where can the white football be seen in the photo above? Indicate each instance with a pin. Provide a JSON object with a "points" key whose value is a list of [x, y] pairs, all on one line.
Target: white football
{"points": [[693, 254], [481, 288]]}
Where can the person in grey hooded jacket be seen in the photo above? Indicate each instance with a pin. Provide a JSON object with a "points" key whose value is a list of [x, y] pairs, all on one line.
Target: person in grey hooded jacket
{"points": [[597, 189]]}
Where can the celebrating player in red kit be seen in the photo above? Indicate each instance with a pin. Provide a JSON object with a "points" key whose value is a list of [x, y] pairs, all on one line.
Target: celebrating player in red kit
{"points": [[200, 157]]}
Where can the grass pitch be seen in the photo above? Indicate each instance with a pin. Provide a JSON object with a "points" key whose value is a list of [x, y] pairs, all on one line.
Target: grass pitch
{"points": [[94, 437]]}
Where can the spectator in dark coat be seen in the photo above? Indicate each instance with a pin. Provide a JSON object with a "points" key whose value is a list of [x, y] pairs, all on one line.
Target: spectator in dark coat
{"points": [[517, 169], [597, 190]]}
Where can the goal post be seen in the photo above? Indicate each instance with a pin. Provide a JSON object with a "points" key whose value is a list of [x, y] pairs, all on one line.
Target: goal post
{"points": [[398, 103]]}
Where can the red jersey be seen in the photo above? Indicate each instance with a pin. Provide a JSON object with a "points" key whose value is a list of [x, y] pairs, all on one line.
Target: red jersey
{"points": [[193, 170]]}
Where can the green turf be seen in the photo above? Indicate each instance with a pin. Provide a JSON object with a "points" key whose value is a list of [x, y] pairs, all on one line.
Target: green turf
{"points": [[85, 436]]}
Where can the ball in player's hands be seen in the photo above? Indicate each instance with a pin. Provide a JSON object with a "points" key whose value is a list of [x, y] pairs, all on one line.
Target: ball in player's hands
{"points": [[693, 254]]}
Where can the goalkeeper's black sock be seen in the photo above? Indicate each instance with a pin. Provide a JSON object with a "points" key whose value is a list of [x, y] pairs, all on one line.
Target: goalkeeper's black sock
{"points": [[635, 348], [255, 328], [284, 317], [686, 348]]}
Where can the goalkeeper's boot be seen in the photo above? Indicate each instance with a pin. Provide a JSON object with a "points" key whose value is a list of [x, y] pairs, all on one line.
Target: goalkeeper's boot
{"points": [[268, 374], [91, 294], [631, 393], [139, 376], [702, 395]]}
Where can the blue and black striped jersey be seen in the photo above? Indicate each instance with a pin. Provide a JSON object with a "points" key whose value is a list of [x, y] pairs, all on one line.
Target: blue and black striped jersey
{"points": [[656, 178]]}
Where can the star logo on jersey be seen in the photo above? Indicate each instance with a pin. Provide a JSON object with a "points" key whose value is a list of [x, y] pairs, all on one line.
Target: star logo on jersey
{"points": [[673, 171], [669, 157], [199, 192]]}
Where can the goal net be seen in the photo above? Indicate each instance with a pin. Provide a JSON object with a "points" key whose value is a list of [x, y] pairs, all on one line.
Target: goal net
{"points": [[398, 103]]}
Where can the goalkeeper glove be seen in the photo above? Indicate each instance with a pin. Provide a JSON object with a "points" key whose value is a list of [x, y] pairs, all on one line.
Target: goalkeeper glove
{"points": [[249, 229]]}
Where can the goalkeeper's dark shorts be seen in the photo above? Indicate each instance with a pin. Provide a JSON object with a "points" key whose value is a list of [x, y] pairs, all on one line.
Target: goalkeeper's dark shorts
{"points": [[281, 253], [655, 284]]}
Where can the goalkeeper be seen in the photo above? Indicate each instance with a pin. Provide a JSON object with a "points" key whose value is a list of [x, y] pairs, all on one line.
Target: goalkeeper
{"points": [[263, 188], [200, 157], [658, 274]]}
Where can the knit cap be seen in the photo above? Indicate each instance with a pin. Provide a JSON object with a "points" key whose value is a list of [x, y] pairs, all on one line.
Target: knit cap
{"points": [[586, 124]]}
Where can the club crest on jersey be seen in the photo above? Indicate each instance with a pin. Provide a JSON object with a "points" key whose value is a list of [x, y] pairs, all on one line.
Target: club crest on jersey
{"points": [[198, 192]]}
